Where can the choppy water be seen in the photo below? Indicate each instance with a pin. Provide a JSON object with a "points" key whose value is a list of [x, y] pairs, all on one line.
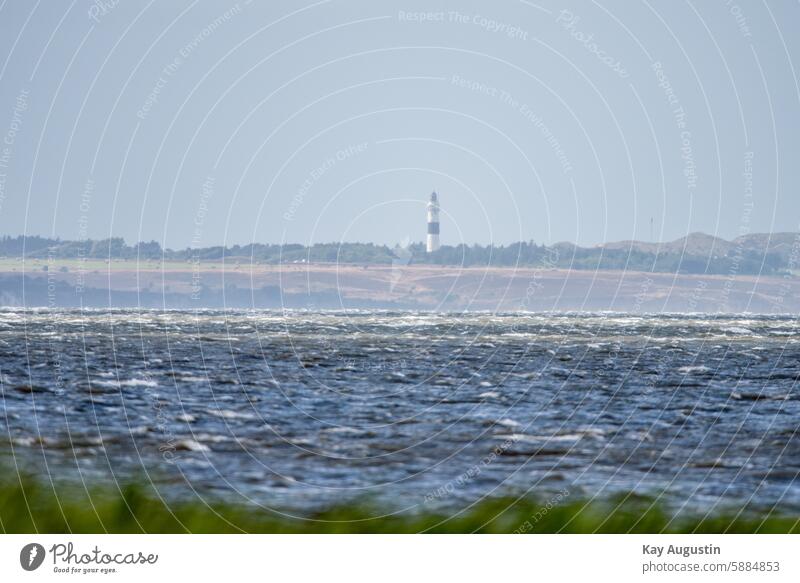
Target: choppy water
{"points": [[298, 410]]}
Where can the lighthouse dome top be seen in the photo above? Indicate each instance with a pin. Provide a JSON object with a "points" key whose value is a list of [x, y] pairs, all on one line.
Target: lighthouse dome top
{"points": [[434, 197]]}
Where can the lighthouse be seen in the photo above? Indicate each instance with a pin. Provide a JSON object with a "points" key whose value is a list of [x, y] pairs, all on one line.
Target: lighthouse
{"points": [[433, 223]]}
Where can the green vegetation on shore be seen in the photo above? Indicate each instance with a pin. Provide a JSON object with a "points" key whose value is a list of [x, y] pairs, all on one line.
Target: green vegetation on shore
{"points": [[761, 254], [29, 505]]}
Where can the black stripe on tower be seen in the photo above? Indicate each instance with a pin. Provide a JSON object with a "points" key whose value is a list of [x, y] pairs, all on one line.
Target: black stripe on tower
{"points": [[433, 228]]}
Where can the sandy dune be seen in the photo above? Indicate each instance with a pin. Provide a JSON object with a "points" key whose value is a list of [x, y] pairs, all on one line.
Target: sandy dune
{"points": [[408, 286]]}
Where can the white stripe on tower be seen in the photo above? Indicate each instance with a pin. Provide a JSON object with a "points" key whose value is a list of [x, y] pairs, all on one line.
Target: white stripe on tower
{"points": [[433, 224]]}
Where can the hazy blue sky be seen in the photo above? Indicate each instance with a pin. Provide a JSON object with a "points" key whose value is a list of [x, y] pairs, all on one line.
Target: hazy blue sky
{"points": [[209, 123]]}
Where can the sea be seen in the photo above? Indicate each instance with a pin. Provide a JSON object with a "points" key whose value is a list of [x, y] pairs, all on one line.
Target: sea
{"points": [[300, 410]]}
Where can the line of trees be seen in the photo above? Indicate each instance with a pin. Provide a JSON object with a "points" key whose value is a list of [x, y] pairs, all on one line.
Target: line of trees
{"points": [[525, 254]]}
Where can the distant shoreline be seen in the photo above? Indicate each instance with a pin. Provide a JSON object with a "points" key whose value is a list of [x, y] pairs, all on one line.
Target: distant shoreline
{"points": [[697, 253], [188, 285]]}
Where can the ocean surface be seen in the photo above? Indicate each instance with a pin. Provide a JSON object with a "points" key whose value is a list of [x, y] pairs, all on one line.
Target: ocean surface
{"points": [[298, 410]]}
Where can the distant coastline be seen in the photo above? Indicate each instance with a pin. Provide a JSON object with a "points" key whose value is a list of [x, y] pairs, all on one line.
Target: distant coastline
{"points": [[176, 285], [699, 273], [697, 253]]}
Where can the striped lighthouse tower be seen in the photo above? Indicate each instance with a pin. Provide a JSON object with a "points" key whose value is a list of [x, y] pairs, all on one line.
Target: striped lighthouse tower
{"points": [[433, 223]]}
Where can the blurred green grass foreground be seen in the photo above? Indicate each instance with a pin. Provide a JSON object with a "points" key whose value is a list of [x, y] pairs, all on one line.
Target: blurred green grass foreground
{"points": [[29, 505]]}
